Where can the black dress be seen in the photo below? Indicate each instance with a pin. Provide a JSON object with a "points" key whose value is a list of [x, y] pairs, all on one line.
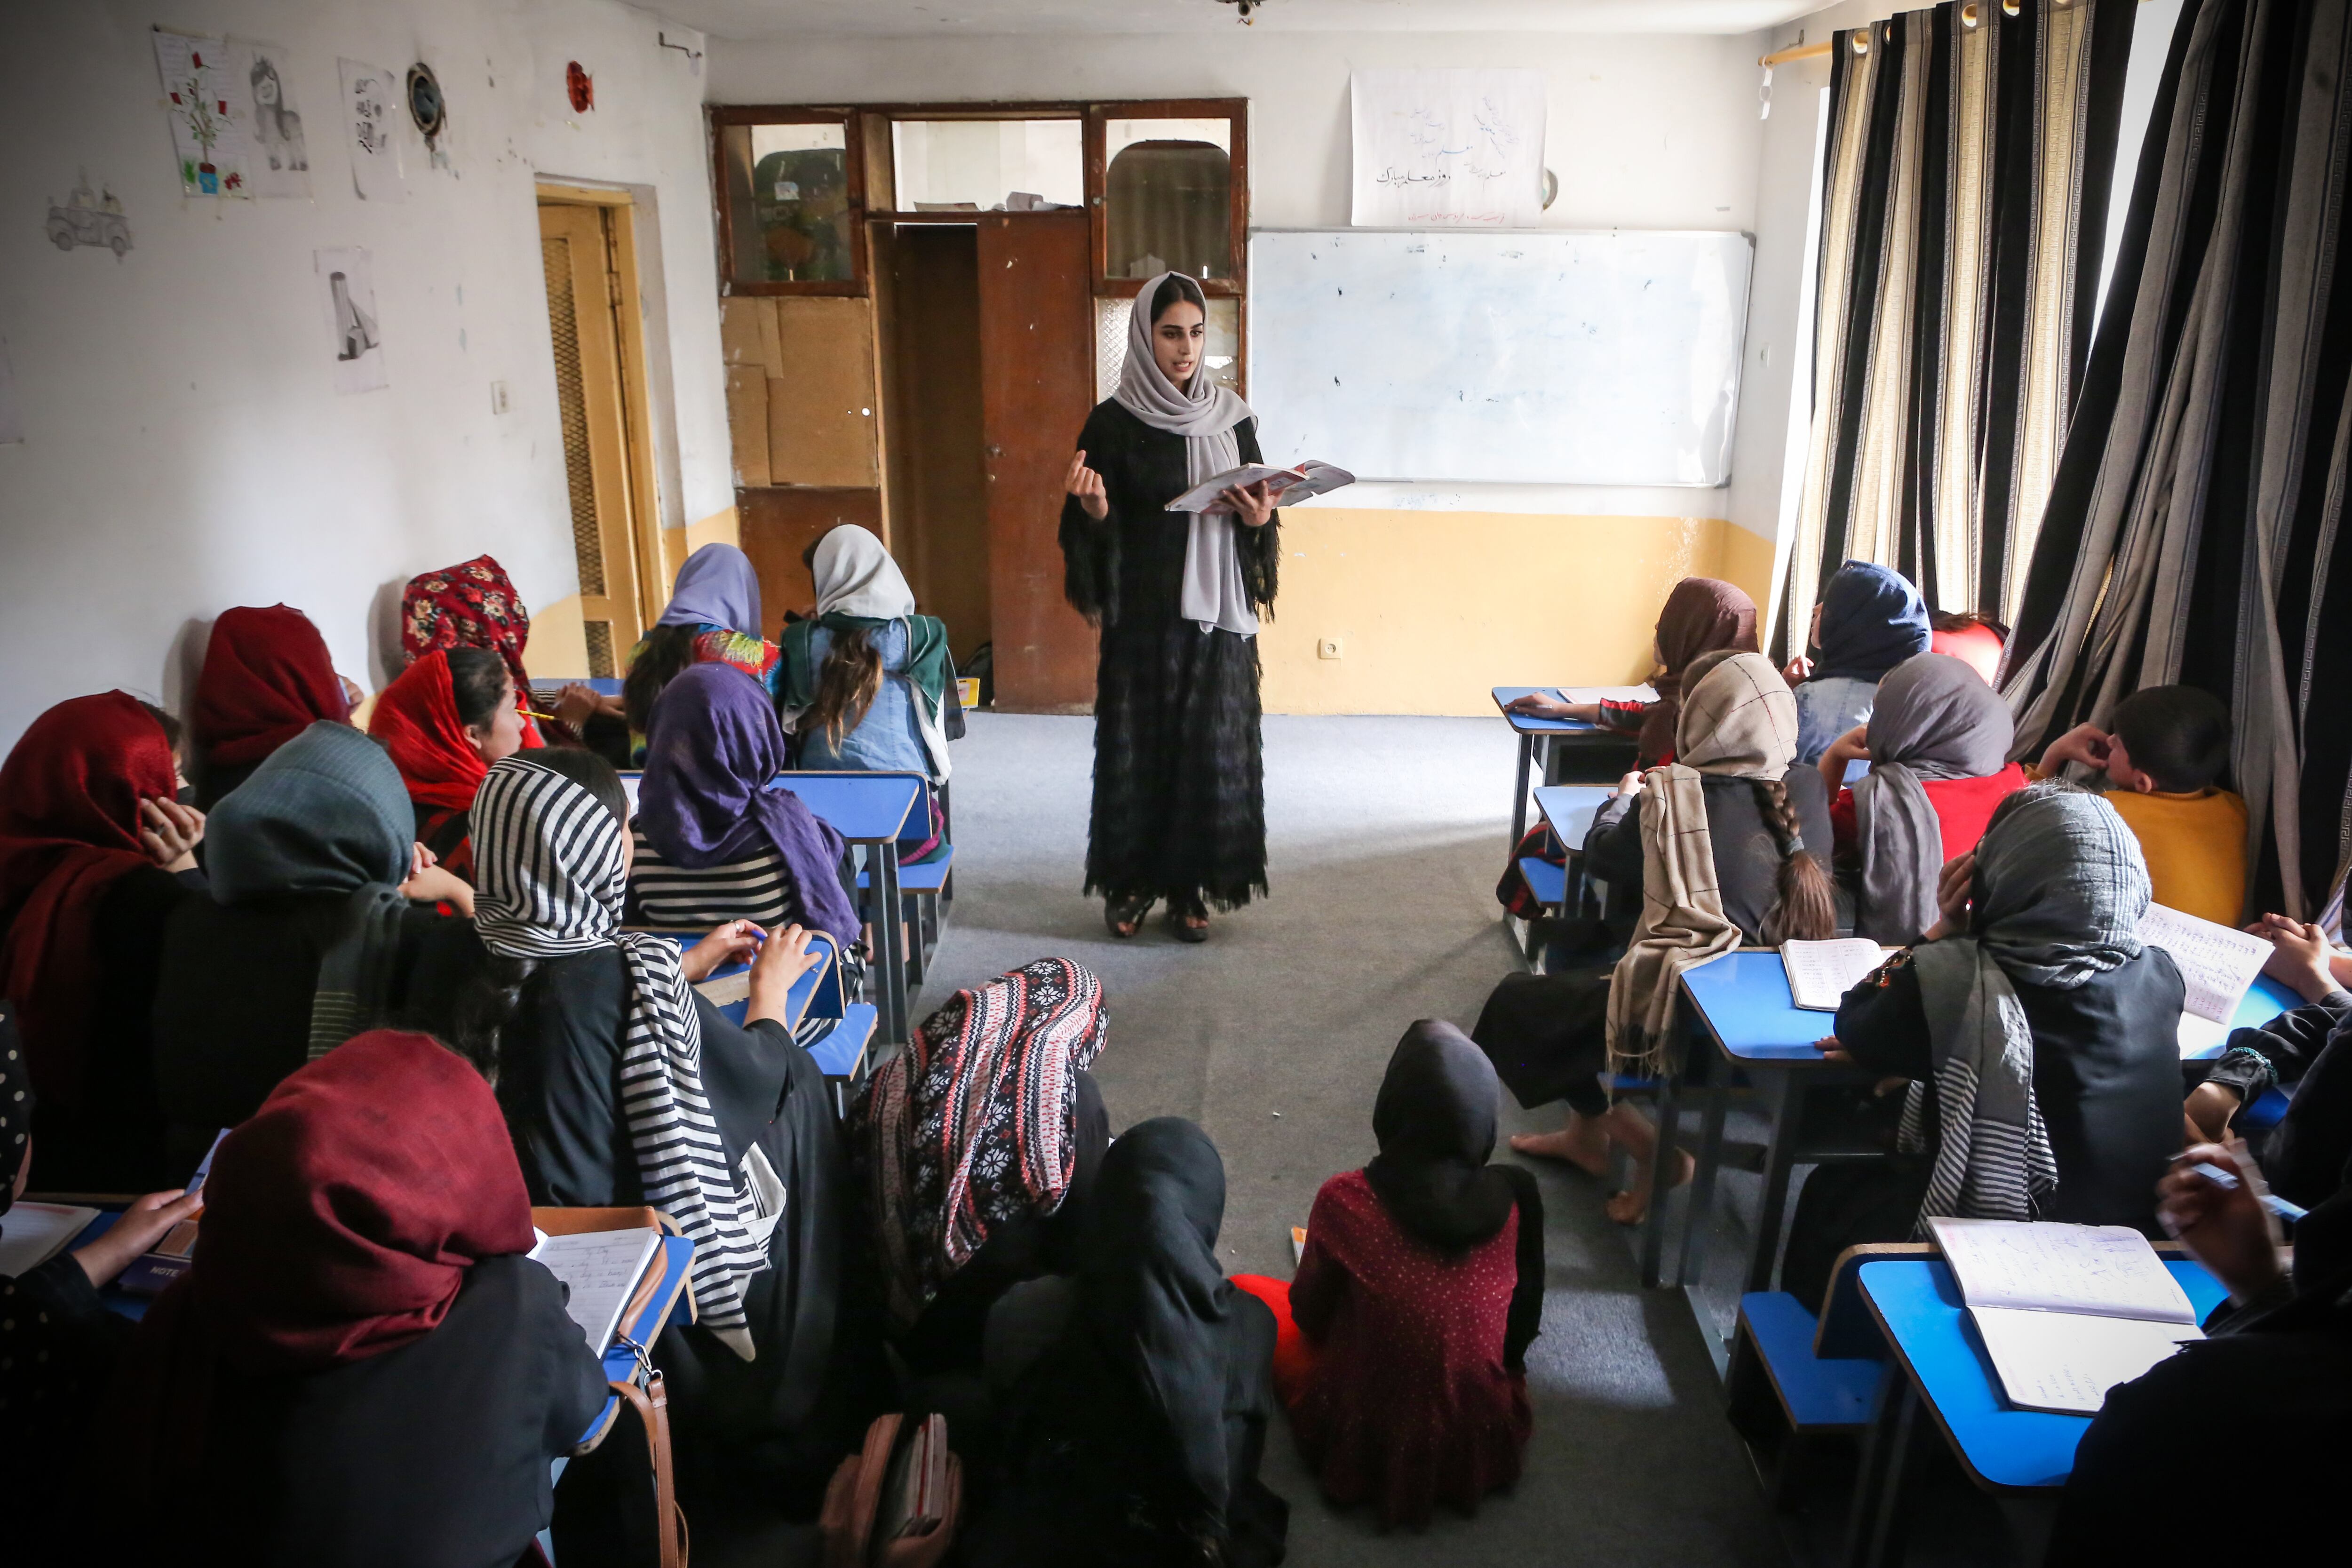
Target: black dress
{"points": [[58, 1345], [2106, 1073], [1180, 797]]}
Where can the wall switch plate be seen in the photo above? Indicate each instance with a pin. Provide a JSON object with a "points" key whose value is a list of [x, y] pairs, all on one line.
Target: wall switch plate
{"points": [[1328, 648], [498, 398]]}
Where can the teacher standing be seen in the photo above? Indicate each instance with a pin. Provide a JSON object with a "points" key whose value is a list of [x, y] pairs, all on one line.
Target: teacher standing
{"points": [[1179, 795]]}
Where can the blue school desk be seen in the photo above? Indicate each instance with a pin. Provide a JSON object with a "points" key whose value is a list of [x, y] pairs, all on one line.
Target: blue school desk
{"points": [[1946, 1374], [602, 685], [1553, 735], [1568, 810], [875, 810]]}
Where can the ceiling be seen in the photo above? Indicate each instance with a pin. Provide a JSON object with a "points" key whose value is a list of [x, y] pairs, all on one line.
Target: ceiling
{"points": [[760, 20]]}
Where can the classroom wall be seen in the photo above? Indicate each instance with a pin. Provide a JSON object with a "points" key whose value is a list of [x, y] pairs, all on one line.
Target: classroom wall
{"points": [[185, 449], [1562, 582]]}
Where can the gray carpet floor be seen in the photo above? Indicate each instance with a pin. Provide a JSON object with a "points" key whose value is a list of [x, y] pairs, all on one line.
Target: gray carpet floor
{"points": [[1385, 836]]}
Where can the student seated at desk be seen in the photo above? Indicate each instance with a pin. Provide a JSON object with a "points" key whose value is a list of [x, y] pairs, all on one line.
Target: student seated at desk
{"points": [[976, 1150], [1869, 619], [95, 855], [2281, 1052], [622, 1085], [2275, 1368], [868, 684], [1715, 847], [1977, 641], [2160, 767], [1700, 617], [360, 1366], [58, 1342], [321, 925], [2040, 1034], [1937, 746], [1402, 1353], [472, 605], [267, 678], [712, 617], [445, 720], [1139, 1389]]}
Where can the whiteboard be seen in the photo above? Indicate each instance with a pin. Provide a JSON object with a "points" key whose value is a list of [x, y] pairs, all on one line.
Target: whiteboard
{"points": [[1531, 357]]}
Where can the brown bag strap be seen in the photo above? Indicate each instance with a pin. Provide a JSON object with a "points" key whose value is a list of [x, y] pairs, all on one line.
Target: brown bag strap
{"points": [[652, 1405]]}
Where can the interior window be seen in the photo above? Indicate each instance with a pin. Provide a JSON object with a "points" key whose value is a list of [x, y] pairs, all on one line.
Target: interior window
{"points": [[988, 165], [1167, 197], [789, 212]]}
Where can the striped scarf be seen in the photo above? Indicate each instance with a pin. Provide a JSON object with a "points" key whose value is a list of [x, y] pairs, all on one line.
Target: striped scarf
{"points": [[549, 880]]}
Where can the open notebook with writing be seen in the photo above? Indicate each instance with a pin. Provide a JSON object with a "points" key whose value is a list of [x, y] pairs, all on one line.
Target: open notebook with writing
{"points": [[2066, 1311], [604, 1271], [2217, 964], [1821, 973]]}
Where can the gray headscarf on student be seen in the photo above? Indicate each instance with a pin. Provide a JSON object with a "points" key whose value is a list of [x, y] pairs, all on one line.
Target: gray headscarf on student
{"points": [[2059, 892], [325, 812], [1936, 719], [1204, 413]]}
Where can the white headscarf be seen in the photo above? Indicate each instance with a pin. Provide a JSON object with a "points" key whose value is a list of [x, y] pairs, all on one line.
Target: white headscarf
{"points": [[856, 576], [1204, 413]]}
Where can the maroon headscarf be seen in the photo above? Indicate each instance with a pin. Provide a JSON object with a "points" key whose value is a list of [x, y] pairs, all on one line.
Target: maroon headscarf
{"points": [[472, 604], [1701, 615], [69, 796], [267, 678]]}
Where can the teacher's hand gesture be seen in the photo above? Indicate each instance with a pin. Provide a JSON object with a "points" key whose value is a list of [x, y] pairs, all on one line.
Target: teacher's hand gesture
{"points": [[1253, 504], [1087, 486]]}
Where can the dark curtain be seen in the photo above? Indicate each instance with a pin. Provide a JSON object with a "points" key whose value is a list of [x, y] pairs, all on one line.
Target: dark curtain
{"points": [[2192, 529], [1964, 210]]}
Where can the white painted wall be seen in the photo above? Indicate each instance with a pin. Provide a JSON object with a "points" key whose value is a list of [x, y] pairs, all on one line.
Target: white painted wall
{"points": [[1646, 131], [186, 450]]}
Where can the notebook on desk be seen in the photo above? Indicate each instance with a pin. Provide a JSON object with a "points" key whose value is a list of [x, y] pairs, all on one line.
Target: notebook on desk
{"points": [[33, 1233], [2217, 966], [605, 1273], [2066, 1311], [1821, 973]]}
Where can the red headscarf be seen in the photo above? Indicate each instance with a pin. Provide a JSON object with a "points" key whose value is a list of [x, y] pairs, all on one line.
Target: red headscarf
{"points": [[472, 604], [267, 678], [1700, 616], [69, 796], [417, 719]]}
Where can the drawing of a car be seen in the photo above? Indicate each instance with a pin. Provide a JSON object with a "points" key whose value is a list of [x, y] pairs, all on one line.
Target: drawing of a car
{"points": [[83, 221]]}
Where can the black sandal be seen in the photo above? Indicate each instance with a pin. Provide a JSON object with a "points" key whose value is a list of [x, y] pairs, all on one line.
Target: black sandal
{"points": [[1126, 912], [1179, 918]]}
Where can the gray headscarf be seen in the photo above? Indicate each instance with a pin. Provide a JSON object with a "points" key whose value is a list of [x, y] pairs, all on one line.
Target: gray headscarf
{"points": [[1204, 413], [325, 814], [2060, 889], [1936, 719]]}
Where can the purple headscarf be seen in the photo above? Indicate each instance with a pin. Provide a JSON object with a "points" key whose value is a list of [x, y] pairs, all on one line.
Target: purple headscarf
{"points": [[711, 746], [716, 587]]}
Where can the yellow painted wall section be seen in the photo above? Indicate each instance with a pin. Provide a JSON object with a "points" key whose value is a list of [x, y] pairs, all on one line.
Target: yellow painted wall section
{"points": [[558, 648], [1432, 609]]}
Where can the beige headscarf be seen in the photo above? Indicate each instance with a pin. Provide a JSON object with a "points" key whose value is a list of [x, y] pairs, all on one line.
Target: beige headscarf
{"points": [[1739, 720]]}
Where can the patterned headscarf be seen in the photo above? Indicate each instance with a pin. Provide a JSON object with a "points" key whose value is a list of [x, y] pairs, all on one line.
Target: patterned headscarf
{"points": [[970, 1126], [470, 604], [549, 872]]}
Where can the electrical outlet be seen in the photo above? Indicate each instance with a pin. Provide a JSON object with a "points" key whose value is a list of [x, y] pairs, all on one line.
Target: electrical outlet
{"points": [[498, 398], [1328, 648]]}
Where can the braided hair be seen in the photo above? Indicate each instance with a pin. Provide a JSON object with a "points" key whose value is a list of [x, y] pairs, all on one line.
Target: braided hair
{"points": [[1804, 909]]}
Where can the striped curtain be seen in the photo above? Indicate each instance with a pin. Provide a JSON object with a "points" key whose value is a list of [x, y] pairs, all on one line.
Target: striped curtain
{"points": [[2194, 532], [1965, 201]]}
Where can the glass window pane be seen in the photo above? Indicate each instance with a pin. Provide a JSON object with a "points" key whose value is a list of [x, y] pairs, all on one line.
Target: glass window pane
{"points": [[788, 202], [1167, 197], [1223, 360], [988, 165]]}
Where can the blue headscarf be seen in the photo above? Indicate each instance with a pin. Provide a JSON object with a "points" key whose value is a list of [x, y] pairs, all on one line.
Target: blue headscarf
{"points": [[716, 587], [1872, 620]]}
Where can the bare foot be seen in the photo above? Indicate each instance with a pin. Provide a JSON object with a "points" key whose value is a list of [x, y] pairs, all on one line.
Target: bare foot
{"points": [[1582, 1144], [1632, 1206]]}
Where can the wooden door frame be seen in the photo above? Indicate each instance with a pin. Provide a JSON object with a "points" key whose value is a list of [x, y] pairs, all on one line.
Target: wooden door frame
{"points": [[645, 547]]}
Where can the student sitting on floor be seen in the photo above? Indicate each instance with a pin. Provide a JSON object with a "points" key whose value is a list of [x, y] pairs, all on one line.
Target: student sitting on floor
{"points": [[58, 1342], [321, 925], [1869, 619], [712, 617], [976, 1150], [1700, 617], [2279, 1053], [472, 604], [1401, 1354], [2040, 1037], [267, 678], [445, 720], [1714, 846], [95, 855], [623, 1085], [360, 1366], [2160, 762], [2276, 1364], [1140, 1389], [1977, 641], [1938, 744]]}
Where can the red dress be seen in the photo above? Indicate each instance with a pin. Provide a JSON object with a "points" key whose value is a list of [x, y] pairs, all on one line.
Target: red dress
{"points": [[1962, 808], [1407, 1401]]}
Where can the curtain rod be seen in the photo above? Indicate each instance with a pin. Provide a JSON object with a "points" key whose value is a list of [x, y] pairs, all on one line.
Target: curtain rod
{"points": [[1800, 52]]}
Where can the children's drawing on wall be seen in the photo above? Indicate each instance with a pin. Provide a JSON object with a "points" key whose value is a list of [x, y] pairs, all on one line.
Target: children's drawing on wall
{"points": [[370, 99], [12, 413], [214, 149], [89, 218], [347, 288], [1453, 148], [282, 160]]}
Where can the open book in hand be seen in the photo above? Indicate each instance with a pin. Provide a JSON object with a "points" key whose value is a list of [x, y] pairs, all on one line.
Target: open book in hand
{"points": [[604, 1271], [2066, 1311], [1821, 973], [2216, 963], [1289, 485]]}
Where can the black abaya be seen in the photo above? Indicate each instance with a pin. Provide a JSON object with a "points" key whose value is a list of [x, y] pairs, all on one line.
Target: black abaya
{"points": [[1179, 799]]}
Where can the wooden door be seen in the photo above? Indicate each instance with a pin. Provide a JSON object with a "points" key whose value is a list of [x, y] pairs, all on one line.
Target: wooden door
{"points": [[1037, 384]]}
